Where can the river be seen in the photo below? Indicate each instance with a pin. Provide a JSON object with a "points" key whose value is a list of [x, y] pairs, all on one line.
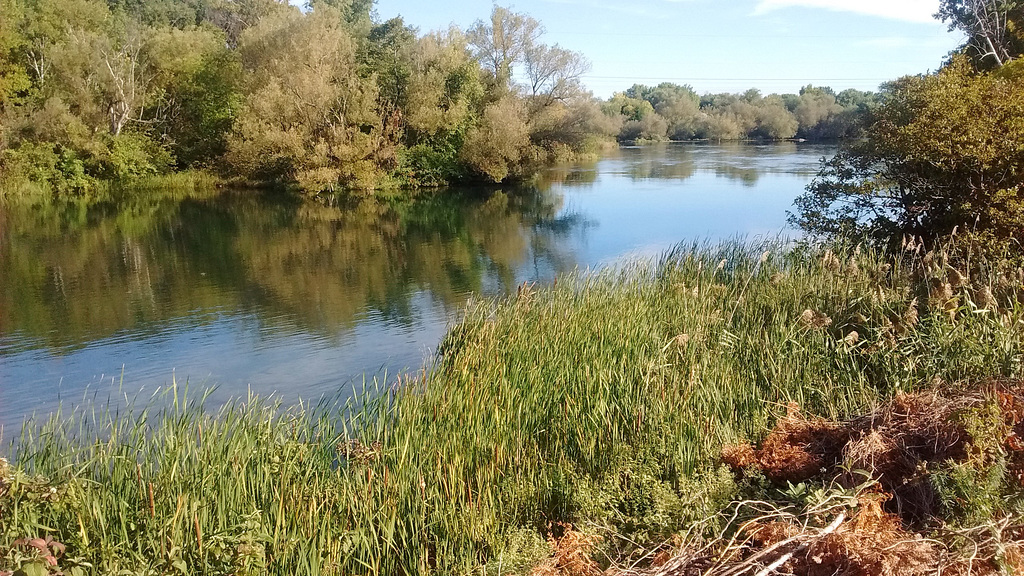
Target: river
{"points": [[245, 291]]}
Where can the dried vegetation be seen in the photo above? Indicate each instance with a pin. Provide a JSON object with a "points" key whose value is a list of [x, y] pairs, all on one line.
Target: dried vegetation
{"points": [[879, 509]]}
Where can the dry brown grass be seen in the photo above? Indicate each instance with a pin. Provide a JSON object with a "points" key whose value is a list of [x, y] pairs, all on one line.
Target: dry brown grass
{"points": [[572, 554]]}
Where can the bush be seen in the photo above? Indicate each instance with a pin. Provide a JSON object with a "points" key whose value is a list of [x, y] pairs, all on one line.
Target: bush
{"points": [[53, 167], [427, 165], [132, 155], [945, 151], [499, 146]]}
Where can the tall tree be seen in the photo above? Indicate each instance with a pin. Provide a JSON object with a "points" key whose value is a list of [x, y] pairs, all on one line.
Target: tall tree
{"points": [[503, 41], [14, 77], [553, 73], [308, 116], [994, 28]]}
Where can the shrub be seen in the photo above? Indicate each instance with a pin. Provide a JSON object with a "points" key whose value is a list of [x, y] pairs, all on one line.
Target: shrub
{"points": [[53, 167], [132, 155], [946, 151]]}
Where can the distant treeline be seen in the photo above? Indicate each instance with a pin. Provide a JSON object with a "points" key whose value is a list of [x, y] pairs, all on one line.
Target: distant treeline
{"points": [[674, 112], [328, 97]]}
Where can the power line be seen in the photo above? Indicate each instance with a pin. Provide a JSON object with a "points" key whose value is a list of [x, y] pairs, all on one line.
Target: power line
{"points": [[802, 79], [790, 37]]}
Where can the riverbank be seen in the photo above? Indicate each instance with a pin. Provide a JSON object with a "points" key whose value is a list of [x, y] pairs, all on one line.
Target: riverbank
{"points": [[602, 403]]}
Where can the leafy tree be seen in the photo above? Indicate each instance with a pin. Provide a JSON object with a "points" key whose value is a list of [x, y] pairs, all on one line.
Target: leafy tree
{"points": [[357, 13], [308, 117], [444, 86], [815, 111], [173, 13], [387, 55], [324, 97], [236, 16], [196, 92], [498, 146], [994, 28], [774, 122], [574, 125], [944, 153], [502, 42], [14, 78]]}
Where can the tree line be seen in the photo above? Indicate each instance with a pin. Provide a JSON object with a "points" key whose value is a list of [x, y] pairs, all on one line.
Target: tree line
{"points": [[325, 97], [673, 112], [330, 97]]}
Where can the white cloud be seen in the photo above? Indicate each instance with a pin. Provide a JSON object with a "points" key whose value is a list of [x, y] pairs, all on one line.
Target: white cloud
{"points": [[910, 10]]}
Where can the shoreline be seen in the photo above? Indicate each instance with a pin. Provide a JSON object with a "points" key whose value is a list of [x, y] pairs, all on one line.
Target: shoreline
{"points": [[601, 403]]}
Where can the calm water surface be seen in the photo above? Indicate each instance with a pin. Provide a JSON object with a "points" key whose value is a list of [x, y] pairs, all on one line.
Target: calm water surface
{"points": [[247, 291]]}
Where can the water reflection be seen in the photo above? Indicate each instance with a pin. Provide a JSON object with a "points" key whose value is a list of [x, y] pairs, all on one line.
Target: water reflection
{"points": [[300, 298]]}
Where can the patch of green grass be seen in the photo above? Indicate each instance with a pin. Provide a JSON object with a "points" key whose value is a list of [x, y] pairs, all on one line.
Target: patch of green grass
{"points": [[602, 401]]}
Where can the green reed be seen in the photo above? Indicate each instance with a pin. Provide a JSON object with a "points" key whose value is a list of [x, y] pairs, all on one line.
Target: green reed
{"points": [[601, 401]]}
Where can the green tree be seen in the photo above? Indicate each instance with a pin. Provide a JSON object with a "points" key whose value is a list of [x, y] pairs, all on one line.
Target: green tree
{"points": [[387, 56], [994, 28], [944, 153], [14, 78], [173, 13], [308, 117], [196, 92], [815, 112], [502, 42], [499, 146], [774, 121]]}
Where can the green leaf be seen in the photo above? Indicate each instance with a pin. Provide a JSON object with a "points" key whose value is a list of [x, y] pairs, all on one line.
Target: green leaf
{"points": [[32, 569]]}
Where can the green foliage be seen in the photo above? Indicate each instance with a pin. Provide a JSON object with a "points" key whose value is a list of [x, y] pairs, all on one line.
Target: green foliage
{"points": [[981, 488], [134, 155], [673, 111], [388, 54], [499, 145], [942, 154], [323, 99], [14, 79], [307, 116], [45, 165], [429, 166]]}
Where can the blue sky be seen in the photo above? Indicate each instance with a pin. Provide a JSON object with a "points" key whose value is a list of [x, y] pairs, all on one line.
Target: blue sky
{"points": [[723, 45]]}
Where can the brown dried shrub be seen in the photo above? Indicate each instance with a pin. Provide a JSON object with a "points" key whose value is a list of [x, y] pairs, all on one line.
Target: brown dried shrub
{"points": [[893, 445], [797, 448], [572, 554], [873, 543]]}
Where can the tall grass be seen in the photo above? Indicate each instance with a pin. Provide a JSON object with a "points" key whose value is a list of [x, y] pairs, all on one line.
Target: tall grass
{"points": [[600, 401]]}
